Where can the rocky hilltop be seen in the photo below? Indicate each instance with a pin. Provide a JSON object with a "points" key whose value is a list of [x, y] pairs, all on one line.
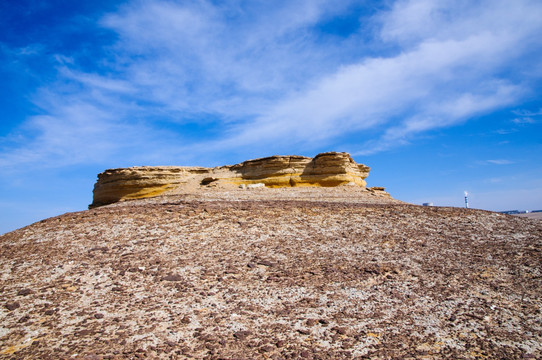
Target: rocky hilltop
{"points": [[272, 273], [300, 269], [324, 170]]}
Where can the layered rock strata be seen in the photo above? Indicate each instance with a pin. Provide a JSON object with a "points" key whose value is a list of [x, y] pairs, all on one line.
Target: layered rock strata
{"points": [[324, 170], [140, 182]]}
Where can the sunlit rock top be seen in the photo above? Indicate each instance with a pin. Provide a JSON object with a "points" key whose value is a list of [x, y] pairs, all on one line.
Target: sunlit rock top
{"points": [[324, 170]]}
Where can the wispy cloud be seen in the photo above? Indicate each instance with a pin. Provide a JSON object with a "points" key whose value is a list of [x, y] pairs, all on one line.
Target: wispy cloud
{"points": [[526, 116], [527, 113], [498, 162], [266, 77], [524, 120], [505, 131]]}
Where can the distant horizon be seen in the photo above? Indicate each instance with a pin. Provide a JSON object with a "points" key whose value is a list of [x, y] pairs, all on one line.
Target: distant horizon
{"points": [[2, 232], [436, 97]]}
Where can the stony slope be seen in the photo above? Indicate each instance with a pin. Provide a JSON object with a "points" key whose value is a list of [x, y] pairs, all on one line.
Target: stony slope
{"points": [[272, 273]]}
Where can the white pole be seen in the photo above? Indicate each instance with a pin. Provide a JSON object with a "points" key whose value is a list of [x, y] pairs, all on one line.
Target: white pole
{"points": [[466, 200]]}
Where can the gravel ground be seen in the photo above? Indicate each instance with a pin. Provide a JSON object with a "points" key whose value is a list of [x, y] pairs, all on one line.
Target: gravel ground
{"points": [[299, 274], [535, 215]]}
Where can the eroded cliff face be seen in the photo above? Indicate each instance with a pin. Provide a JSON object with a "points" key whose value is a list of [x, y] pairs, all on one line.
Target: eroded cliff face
{"points": [[327, 169], [140, 182], [324, 170]]}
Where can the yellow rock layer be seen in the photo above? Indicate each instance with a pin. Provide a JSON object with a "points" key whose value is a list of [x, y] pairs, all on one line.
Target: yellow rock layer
{"points": [[326, 169]]}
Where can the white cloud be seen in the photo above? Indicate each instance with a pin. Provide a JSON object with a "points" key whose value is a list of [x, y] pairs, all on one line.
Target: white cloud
{"points": [[524, 120], [267, 79], [415, 21], [223, 59], [498, 162], [526, 116], [80, 130], [506, 131], [372, 92], [443, 77], [527, 113]]}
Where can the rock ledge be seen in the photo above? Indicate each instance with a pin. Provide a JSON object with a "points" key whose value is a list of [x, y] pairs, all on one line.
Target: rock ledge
{"points": [[324, 170]]}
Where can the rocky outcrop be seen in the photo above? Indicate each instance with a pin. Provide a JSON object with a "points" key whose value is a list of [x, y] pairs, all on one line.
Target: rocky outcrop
{"points": [[324, 170], [140, 182], [327, 169], [379, 191]]}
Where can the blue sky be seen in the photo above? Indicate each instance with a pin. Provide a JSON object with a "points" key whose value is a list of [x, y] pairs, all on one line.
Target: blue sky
{"points": [[438, 97]]}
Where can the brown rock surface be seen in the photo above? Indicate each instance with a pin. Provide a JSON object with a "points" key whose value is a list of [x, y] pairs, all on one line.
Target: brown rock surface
{"points": [[326, 169], [287, 273]]}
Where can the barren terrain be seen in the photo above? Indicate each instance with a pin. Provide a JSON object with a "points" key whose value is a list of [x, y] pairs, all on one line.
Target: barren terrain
{"points": [[535, 215], [272, 273]]}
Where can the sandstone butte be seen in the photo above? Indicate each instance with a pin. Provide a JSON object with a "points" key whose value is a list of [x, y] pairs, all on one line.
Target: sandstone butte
{"points": [[324, 170]]}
